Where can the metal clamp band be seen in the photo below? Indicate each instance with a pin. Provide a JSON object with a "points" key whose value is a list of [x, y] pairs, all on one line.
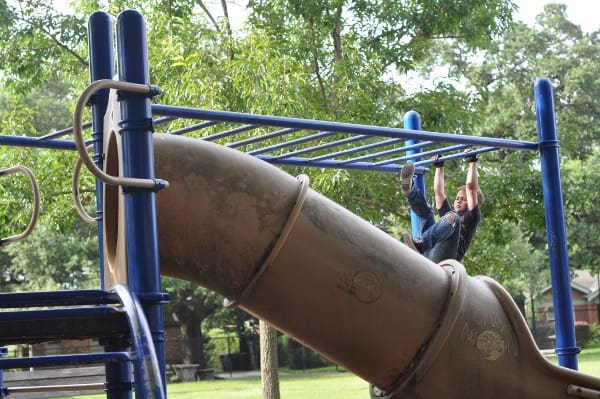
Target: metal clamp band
{"points": [[428, 353], [285, 232]]}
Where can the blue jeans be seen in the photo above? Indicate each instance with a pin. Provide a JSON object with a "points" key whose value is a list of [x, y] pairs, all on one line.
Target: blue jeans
{"points": [[440, 240]]}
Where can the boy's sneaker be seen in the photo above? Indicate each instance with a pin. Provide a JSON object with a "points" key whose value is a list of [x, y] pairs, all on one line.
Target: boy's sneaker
{"points": [[413, 243], [406, 178]]}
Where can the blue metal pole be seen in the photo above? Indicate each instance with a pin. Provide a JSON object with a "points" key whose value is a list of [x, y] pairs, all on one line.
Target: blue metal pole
{"points": [[566, 347], [412, 121], [138, 161], [102, 60], [3, 352], [101, 50], [35, 142]]}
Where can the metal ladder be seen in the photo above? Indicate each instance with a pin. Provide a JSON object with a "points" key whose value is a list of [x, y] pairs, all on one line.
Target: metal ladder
{"points": [[114, 316]]}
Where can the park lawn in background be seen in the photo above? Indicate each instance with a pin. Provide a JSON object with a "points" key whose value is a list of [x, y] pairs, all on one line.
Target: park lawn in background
{"points": [[330, 385], [588, 360], [311, 385]]}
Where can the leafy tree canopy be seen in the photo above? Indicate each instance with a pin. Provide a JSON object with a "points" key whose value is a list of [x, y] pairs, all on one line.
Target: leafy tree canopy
{"points": [[39, 44], [343, 61], [500, 79]]}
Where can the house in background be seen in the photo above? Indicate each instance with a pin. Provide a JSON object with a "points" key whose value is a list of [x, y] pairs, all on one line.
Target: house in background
{"points": [[586, 308], [584, 294]]}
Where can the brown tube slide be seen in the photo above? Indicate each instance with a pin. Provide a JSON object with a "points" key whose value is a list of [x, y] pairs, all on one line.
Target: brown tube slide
{"points": [[319, 273]]}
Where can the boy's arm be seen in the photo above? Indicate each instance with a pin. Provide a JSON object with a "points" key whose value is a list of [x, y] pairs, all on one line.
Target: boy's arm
{"points": [[438, 185], [472, 184]]}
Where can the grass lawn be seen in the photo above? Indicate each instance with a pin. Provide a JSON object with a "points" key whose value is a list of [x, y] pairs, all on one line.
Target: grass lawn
{"points": [[298, 386], [588, 361], [308, 385], [314, 384]]}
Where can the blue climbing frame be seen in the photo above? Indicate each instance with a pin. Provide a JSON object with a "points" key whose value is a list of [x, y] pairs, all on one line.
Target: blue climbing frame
{"points": [[280, 141], [348, 146]]}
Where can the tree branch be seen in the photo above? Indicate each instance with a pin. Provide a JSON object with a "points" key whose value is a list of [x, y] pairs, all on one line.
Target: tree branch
{"points": [[318, 70], [208, 14], [336, 34], [228, 29], [60, 44], [227, 21], [393, 32]]}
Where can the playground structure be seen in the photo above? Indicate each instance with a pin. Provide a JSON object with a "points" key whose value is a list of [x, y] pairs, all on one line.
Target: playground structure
{"points": [[205, 211]]}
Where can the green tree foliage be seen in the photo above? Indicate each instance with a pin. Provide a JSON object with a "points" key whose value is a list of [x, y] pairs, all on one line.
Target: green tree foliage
{"points": [[330, 60], [392, 32], [36, 114], [39, 44], [61, 253], [352, 51], [583, 219], [50, 260], [499, 80], [502, 77]]}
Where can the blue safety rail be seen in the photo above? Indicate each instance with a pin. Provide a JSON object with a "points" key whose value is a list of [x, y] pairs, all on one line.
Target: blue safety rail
{"points": [[32, 317]]}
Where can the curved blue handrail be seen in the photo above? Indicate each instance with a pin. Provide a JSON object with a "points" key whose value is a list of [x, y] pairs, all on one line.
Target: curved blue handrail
{"points": [[148, 381]]}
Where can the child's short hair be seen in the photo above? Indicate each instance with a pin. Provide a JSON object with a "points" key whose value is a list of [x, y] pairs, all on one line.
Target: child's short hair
{"points": [[480, 196]]}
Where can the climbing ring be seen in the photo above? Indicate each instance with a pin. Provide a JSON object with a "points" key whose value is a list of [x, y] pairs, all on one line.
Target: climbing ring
{"points": [[36, 203], [75, 191]]}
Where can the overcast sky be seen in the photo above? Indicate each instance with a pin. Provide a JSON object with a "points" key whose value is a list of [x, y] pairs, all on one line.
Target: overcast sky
{"points": [[585, 13]]}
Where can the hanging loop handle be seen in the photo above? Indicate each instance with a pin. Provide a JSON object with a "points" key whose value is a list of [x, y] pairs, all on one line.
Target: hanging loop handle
{"points": [[36, 203], [151, 184], [75, 191]]}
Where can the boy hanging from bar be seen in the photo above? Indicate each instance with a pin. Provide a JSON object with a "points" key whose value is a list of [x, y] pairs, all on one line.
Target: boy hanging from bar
{"points": [[451, 235]]}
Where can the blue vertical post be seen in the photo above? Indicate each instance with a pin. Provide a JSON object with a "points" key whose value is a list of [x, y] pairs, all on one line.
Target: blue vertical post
{"points": [[138, 161], [566, 347], [412, 121], [3, 352], [101, 55]]}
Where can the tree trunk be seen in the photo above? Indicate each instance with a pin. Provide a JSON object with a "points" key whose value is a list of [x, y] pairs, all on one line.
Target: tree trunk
{"points": [[193, 342], [268, 361], [190, 310]]}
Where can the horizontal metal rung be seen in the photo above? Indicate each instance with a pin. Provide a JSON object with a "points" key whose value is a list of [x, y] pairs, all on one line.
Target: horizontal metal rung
{"points": [[66, 323], [57, 360], [57, 298], [56, 388], [59, 313]]}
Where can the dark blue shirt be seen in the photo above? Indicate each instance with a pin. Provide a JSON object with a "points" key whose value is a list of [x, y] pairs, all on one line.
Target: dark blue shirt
{"points": [[469, 220]]}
